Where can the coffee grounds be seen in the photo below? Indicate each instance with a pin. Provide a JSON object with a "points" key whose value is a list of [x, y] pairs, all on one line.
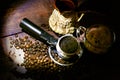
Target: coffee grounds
{"points": [[69, 44]]}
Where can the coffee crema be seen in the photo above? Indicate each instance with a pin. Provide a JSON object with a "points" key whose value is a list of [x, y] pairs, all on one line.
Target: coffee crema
{"points": [[68, 44]]}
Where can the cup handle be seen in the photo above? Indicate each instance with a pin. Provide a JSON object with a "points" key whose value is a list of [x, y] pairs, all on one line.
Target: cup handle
{"points": [[80, 33]]}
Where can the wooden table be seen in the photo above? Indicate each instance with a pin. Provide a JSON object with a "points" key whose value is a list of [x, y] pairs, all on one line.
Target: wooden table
{"points": [[38, 11]]}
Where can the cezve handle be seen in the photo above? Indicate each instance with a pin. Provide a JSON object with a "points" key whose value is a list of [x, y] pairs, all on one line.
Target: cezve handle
{"points": [[36, 32]]}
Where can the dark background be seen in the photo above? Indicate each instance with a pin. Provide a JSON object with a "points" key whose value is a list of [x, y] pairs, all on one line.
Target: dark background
{"points": [[94, 67]]}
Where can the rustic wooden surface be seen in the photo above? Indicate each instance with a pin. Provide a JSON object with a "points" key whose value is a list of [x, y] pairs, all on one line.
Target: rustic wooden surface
{"points": [[38, 11], [94, 67]]}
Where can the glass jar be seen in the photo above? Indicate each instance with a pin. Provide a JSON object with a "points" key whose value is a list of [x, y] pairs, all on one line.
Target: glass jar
{"points": [[97, 38]]}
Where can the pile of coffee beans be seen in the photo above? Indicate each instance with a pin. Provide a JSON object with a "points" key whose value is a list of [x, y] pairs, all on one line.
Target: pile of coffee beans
{"points": [[35, 54]]}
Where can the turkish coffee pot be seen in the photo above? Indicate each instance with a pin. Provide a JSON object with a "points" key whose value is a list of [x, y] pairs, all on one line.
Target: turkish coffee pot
{"points": [[64, 17], [97, 38]]}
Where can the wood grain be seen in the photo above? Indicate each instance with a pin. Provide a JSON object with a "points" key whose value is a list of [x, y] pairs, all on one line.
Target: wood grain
{"points": [[37, 11]]}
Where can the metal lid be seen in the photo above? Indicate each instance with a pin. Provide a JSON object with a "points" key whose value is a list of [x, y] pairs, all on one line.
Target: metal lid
{"points": [[100, 36]]}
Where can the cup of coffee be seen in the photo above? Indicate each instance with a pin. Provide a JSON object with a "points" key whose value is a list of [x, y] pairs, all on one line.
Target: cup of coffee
{"points": [[68, 46]]}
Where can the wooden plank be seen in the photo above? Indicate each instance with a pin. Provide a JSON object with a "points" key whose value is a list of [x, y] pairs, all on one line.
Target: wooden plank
{"points": [[37, 11]]}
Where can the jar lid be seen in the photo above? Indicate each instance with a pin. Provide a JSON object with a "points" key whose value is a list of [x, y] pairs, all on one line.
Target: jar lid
{"points": [[100, 36]]}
